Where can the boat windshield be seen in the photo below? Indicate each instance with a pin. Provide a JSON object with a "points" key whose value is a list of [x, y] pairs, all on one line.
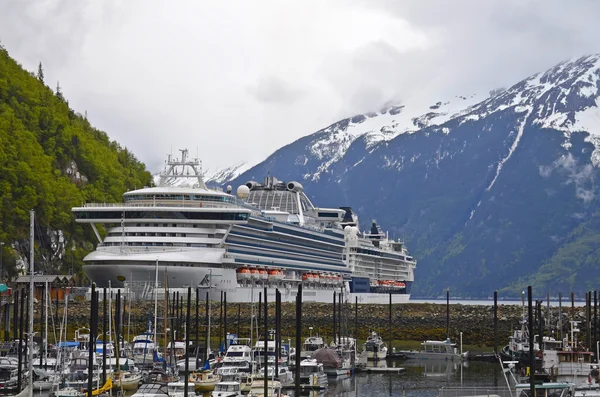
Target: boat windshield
{"points": [[227, 387], [547, 390]]}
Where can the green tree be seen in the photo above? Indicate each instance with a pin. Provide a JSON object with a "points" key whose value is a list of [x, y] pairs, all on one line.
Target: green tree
{"points": [[51, 160], [40, 73]]}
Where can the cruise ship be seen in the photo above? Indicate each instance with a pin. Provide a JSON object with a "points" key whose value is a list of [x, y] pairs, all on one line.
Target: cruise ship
{"points": [[266, 235]]}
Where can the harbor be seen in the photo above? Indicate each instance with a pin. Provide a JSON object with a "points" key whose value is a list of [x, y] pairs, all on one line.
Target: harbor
{"points": [[213, 348]]}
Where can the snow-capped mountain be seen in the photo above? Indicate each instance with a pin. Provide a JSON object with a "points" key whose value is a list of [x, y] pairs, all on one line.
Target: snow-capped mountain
{"points": [[218, 177], [211, 178], [488, 191]]}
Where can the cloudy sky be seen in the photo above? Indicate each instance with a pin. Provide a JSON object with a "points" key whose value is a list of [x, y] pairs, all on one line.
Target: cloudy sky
{"points": [[236, 80]]}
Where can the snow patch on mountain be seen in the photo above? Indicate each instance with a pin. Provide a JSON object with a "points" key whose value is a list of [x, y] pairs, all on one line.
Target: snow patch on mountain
{"points": [[332, 143], [219, 177], [564, 98]]}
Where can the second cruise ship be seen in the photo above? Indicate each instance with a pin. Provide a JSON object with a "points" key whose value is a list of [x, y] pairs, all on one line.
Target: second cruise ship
{"points": [[267, 235]]}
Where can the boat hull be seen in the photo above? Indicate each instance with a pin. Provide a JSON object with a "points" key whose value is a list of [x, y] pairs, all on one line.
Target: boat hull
{"points": [[223, 280]]}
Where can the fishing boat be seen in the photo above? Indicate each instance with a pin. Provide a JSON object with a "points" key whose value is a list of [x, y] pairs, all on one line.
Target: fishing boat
{"points": [[311, 344], [312, 373], [375, 347], [436, 350]]}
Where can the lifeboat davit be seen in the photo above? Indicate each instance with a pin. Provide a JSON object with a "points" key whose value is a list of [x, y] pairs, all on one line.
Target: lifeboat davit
{"points": [[263, 274], [243, 273], [254, 274]]}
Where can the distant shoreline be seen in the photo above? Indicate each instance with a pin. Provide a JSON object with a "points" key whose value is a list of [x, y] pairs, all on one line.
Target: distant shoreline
{"points": [[566, 302]]}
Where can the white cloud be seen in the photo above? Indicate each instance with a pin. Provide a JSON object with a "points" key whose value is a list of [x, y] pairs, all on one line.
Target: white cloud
{"points": [[239, 79]]}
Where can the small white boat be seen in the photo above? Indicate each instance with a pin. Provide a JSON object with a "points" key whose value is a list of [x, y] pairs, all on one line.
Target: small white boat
{"points": [[151, 390], [436, 350], [227, 389], [177, 389], [375, 347], [125, 380]]}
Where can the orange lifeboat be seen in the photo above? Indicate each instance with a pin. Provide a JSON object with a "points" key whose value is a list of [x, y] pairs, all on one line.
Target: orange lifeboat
{"points": [[323, 278], [275, 275], [254, 274], [243, 273], [263, 274], [316, 277], [399, 284], [305, 276]]}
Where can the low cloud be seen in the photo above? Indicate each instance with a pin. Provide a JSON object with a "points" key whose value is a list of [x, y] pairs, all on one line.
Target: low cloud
{"points": [[582, 177], [156, 74]]}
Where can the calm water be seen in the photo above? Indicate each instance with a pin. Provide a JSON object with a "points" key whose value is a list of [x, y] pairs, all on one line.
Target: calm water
{"points": [[566, 302], [421, 379]]}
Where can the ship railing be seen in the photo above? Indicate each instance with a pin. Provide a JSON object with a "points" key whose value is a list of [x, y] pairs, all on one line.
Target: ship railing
{"points": [[476, 391], [148, 205]]}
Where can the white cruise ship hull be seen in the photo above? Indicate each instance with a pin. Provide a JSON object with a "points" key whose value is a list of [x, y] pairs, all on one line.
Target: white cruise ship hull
{"points": [[223, 280]]}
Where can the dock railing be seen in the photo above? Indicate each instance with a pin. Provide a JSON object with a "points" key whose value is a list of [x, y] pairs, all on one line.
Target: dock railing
{"points": [[481, 391]]}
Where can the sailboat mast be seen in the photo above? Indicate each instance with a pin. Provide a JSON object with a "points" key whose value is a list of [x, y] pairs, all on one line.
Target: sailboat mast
{"points": [[209, 305], [165, 321], [110, 315], [30, 335], [45, 341], [155, 299]]}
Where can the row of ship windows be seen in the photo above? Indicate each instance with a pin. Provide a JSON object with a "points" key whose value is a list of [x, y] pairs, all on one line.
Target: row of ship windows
{"points": [[379, 253], [192, 197], [276, 239], [311, 236], [134, 244], [117, 234], [183, 225], [213, 216]]}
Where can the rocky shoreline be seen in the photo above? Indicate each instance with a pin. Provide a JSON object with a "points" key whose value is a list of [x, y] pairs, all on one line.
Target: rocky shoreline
{"points": [[410, 321]]}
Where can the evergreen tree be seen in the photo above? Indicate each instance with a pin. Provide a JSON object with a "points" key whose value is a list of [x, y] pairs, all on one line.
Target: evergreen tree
{"points": [[59, 94], [40, 73]]}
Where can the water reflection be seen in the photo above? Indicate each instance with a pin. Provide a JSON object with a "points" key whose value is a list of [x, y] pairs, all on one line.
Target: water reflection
{"points": [[421, 379]]}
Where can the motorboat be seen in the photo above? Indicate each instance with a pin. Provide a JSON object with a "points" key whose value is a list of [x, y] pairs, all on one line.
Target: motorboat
{"points": [[312, 373], [152, 390], [375, 347], [436, 350], [177, 389], [227, 389]]}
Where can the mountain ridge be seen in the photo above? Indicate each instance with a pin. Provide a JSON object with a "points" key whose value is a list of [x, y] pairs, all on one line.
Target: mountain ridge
{"points": [[461, 181]]}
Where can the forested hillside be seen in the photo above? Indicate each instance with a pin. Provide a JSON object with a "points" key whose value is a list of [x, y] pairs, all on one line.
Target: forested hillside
{"points": [[52, 159]]}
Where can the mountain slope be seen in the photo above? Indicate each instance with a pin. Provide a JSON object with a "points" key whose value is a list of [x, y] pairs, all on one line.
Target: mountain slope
{"points": [[51, 160], [486, 193]]}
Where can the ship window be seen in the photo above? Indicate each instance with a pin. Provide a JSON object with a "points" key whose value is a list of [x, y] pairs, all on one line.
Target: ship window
{"points": [[328, 215]]}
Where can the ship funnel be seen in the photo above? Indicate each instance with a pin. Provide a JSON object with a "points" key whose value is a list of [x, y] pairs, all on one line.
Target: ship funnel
{"points": [[294, 186]]}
